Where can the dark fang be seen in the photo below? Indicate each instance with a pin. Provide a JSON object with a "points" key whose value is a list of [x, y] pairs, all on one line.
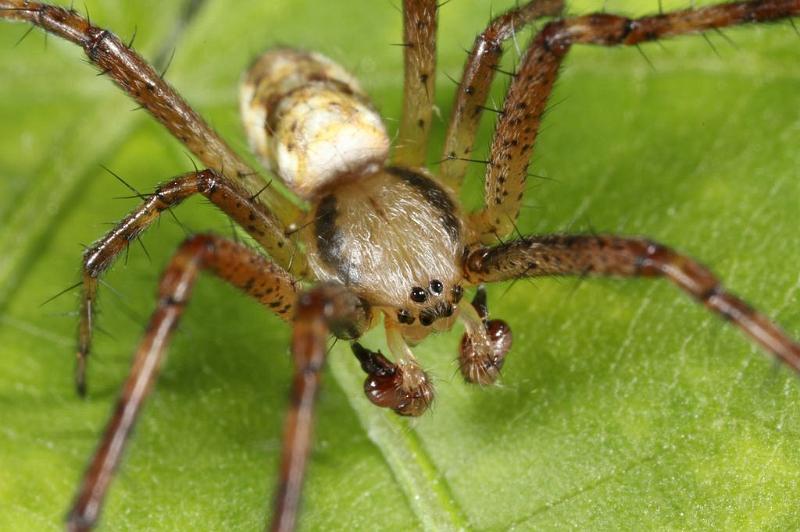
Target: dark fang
{"points": [[426, 319]]}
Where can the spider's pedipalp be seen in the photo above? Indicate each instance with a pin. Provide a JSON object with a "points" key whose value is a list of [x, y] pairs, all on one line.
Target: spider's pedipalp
{"points": [[387, 386], [309, 121], [408, 390], [484, 344]]}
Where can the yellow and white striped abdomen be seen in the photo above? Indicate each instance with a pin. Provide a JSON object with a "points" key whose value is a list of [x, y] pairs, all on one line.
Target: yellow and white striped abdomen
{"points": [[309, 121]]}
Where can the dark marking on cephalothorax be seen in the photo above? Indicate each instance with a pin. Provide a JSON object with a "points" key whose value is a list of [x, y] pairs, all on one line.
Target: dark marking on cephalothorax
{"points": [[330, 240], [378, 208], [434, 195]]}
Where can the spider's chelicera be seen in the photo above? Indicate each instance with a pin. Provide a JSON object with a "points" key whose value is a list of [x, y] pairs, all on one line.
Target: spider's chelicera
{"points": [[382, 239]]}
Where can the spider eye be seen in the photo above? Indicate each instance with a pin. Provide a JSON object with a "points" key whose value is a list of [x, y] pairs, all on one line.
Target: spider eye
{"points": [[436, 286], [404, 316], [419, 294], [457, 293], [426, 319]]}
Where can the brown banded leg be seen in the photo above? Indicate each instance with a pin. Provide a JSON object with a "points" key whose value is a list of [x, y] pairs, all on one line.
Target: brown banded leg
{"points": [[476, 80], [553, 255], [145, 85], [419, 46], [323, 310], [524, 107], [233, 262], [230, 197]]}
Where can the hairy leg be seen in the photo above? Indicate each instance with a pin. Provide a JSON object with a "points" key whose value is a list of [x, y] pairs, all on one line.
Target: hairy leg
{"points": [[553, 255], [527, 96], [320, 311], [136, 77], [419, 47], [235, 263], [476, 80], [228, 196]]}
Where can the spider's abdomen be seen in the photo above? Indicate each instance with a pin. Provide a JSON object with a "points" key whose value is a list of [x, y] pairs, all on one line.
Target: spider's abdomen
{"points": [[309, 121]]}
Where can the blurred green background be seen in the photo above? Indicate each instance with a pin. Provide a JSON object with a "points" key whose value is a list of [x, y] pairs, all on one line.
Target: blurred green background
{"points": [[623, 404]]}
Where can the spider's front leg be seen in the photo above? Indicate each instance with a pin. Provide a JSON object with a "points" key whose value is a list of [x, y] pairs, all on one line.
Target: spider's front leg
{"points": [[142, 83], [527, 96], [419, 52], [229, 197], [476, 80], [557, 255]]}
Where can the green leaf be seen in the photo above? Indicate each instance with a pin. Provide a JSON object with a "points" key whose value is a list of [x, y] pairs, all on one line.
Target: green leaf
{"points": [[623, 403]]}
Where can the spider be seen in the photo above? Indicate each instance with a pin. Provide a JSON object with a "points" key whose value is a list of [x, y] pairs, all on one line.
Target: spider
{"points": [[478, 364]]}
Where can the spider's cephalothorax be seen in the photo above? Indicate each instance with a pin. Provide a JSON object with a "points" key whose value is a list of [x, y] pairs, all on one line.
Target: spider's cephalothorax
{"points": [[380, 236], [392, 234]]}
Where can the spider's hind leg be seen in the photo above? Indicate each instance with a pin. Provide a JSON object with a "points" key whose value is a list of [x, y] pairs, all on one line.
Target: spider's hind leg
{"points": [[225, 194]]}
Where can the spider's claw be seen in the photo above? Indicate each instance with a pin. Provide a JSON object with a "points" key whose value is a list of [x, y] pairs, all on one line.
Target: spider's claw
{"points": [[80, 375], [81, 361], [408, 392]]}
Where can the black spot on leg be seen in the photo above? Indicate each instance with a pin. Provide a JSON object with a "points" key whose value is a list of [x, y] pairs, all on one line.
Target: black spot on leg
{"points": [[626, 29], [96, 37], [708, 294]]}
